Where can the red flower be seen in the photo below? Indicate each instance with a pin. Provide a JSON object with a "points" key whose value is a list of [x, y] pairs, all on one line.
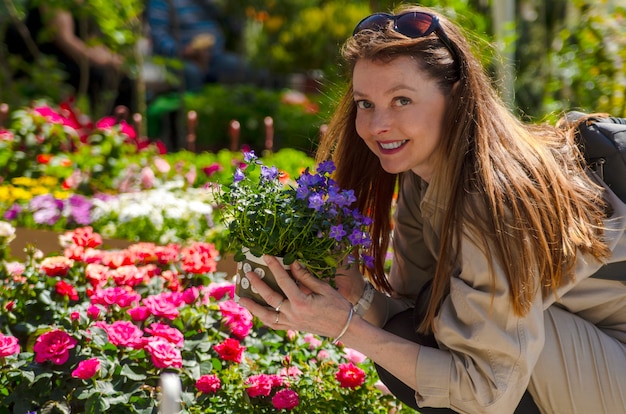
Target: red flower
{"points": [[65, 289], [285, 399], [350, 376], [54, 346], [212, 169], [87, 368], [230, 350], [56, 266], [44, 158], [208, 384]]}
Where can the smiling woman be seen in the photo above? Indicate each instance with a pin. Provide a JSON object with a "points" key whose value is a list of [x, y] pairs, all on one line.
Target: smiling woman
{"points": [[399, 114], [496, 231]]}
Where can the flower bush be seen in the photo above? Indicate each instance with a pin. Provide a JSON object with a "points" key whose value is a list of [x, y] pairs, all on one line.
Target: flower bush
{"points": [[312, 222], [92, 330]]}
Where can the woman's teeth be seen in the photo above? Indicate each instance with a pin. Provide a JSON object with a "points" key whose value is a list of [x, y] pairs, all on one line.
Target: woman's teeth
{"points": [[391, 145]]}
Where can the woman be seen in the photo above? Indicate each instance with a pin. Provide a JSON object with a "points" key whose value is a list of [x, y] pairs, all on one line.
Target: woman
{"points": [[497, 231]]}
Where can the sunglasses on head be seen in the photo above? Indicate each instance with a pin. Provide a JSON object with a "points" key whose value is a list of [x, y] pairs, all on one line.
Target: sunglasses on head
{"points": [[411, 24]]}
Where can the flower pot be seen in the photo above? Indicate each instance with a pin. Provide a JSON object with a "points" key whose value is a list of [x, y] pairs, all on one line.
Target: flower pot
{"points": [[243, 288]]}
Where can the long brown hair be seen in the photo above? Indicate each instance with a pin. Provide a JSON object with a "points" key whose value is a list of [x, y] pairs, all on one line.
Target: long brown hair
{"points": [[519, 190]]}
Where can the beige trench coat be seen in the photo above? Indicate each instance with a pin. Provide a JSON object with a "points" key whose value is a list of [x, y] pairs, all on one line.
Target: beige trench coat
{"points": [[569, 352]]}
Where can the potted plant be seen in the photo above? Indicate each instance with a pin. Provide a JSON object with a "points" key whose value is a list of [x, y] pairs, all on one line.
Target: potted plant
{"points": [[310, 219]]}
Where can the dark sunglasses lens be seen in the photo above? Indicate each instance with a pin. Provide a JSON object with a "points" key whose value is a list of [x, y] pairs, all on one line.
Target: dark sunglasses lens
{"points": [[415, 24], [373, 22]]}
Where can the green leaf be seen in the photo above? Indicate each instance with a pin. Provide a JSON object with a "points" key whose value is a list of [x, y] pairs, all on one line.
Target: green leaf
{"points": [[131, 374]]}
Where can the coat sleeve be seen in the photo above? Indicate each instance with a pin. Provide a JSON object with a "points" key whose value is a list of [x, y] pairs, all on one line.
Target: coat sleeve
{"points": [[486, 353]]}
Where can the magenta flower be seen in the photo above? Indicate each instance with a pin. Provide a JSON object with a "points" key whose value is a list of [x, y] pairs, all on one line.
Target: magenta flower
{"points": [[285, 399], [237, 318], [164, 354], [166, 332], [54, 346], [160, 306], [87, 368], [261, 385], [120, 296], [9, 345], [123, 333], [208, 384]]}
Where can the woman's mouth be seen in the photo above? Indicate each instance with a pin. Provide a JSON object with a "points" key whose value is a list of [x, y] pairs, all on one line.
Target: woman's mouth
{"points": [[391, 145]]}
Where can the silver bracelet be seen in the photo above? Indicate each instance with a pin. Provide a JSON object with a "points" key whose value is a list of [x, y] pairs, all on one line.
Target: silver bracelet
{"points": [[366, 299], [345, 327]]}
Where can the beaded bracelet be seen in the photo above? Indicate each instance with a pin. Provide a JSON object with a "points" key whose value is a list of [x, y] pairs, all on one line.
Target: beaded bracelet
{"points": [[345, 328]]}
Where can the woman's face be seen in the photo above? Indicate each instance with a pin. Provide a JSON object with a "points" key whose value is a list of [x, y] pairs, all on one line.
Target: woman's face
{"points": [[399, 114]]}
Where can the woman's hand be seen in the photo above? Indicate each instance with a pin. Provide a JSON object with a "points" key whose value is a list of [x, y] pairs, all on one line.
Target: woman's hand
{"points": [[309, 305], [350, 282]]}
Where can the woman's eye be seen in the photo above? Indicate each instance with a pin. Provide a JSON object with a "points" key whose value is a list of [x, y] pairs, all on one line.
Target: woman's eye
{"points": [[363, 104], [402, 101]]}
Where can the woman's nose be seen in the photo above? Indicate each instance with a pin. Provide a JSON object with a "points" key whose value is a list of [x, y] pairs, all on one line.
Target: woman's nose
{"points": [[380, 122]]}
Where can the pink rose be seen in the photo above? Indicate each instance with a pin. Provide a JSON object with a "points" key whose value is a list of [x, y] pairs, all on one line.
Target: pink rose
{"points": [[190, 295], [9, 345], [139, 313], [87, 368], [350, 376], [123, 297], [218, 290], [123, 333], [160, 306], [164, 354], [208, 384], [354, 356], [166, 332], [237, 318], [285, 399], [93, 312], [54, 346], [261, 385]]}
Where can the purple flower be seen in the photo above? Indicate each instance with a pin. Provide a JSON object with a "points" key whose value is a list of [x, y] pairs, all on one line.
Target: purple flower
{"points": [[80, 208], [239, 176], [249, 156], [302, 192], [337, 232], [326, 167], [316, 202], [46, 209], [269, 173], [13, 212]]}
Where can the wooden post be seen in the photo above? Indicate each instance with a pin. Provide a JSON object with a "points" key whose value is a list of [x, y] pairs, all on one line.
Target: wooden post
{"points": [[4, 113], [269, 133], [192, 123], [234, 130]]}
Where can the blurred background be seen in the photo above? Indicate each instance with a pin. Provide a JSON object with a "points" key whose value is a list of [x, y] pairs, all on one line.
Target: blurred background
{"points": [[544, 57]]}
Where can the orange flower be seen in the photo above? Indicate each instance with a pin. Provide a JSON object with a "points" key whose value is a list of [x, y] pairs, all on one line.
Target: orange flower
{"points": [[44, 158]]}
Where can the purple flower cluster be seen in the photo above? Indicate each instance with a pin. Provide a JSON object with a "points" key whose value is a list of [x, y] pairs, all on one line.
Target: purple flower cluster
{"points": [[314, 221], [48, 210]]}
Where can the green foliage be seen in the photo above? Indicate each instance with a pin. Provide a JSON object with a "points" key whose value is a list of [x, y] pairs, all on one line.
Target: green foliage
{"points": [[296, 123]]}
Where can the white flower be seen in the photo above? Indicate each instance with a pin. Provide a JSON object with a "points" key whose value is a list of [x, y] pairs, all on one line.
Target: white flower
{"points": [[7, 233]]}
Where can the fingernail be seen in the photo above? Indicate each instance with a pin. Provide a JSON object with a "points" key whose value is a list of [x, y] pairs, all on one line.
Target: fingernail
{"points": [[297, 265], [266, 258]]}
